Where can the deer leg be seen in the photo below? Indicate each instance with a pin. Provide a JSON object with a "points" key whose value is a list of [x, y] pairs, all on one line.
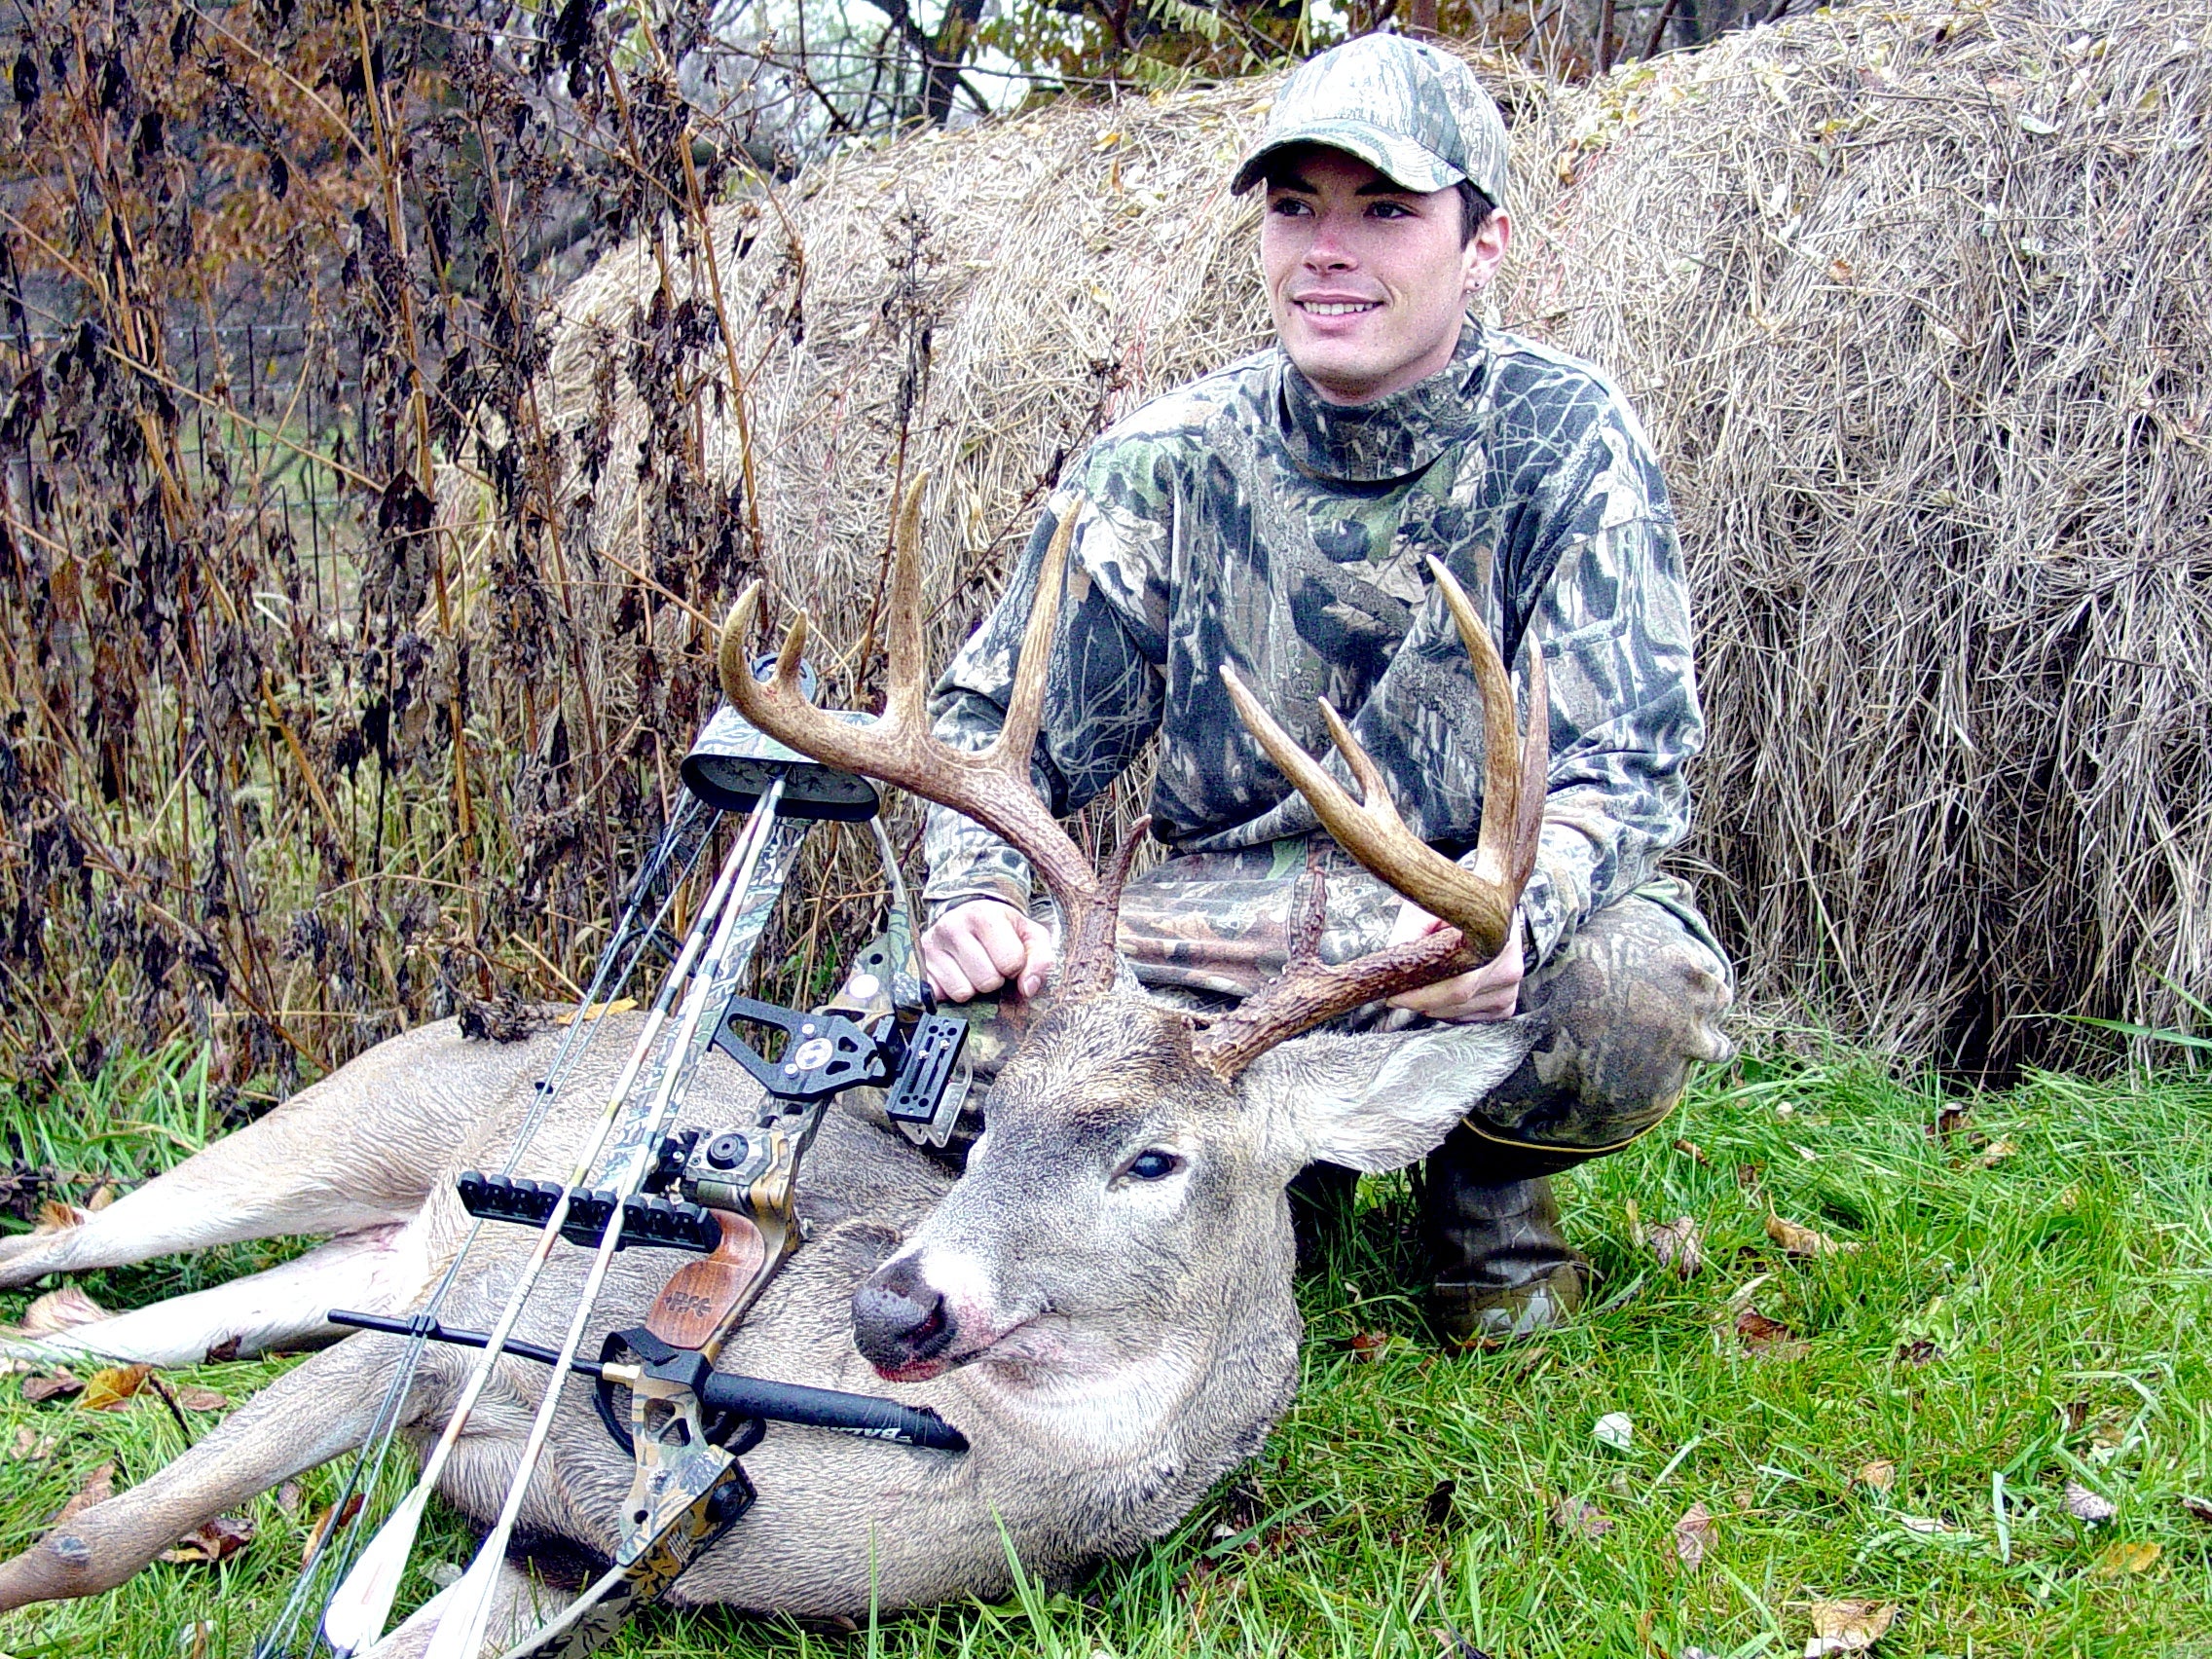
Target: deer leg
{"points": [[519, 1605], [312, 1414], [378, 1271], [357, 1149]]}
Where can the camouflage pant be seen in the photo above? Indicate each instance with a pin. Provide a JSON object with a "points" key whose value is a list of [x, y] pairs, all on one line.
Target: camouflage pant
{"points": [[1626, 1006]]}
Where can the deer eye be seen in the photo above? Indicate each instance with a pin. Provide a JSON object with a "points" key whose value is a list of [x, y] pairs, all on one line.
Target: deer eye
{"points": [[1154, 1165]]}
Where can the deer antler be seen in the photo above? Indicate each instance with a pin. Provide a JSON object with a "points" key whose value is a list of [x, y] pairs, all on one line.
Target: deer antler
{"points": [[993, 786], [1477, 902]]}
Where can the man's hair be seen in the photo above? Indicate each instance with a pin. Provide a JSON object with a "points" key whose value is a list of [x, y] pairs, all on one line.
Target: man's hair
{"points": [[1475, 210]]}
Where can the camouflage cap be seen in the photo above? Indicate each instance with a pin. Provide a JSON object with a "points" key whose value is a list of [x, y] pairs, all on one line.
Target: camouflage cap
{"points": [[1411, 111]]}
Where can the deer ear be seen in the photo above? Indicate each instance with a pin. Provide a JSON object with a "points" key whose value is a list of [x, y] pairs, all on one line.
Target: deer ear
{"points": [[1379, 1100]]}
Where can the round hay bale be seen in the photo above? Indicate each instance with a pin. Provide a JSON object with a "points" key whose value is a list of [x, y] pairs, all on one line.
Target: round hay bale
{"points": [[1916, 307], [1914, 303]]}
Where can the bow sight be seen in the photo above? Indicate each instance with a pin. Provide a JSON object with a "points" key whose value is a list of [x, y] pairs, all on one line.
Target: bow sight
{"points": [[725, 1196]]}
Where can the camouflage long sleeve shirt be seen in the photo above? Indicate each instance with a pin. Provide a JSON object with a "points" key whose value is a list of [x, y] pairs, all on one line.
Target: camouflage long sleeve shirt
{"points": [[1243, 520]]}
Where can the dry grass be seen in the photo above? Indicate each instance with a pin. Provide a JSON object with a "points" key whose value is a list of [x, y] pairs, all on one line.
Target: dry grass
{"points": [[1915, 304]]}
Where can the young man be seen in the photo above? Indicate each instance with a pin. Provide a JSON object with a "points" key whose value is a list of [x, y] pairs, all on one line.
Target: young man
{"points": [[1276, 515]]}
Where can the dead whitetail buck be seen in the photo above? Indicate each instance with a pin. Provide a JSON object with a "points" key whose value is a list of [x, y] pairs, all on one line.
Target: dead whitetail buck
{"points": [[1101, 1302]]}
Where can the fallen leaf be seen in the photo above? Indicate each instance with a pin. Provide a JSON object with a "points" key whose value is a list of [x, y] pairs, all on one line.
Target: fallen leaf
{"points": [[213, 1540], [1614, 1430], [1368, 1345], [60, 1310], [109, 1389], [1437, 1508], [1947, 1123], [52, 1385], [1848, 1627], [1678, 1245], [2077, 1415], [1691, 1149], [1840, 270], [2119, 1558], [1997, 1152], [222, 1351], [324, 1523], [55, 1216], [1450, 1644], [1878, 1476], [1925, 1526], [194, 1398], [1798, 1241], [1693, 1536], [102, 1196], [289, 1496], [32, 1446], [99, 1487], [2085, 1505], [1919, 1351], [1762, 1334], [1579, 1520], [1748, 1175]]}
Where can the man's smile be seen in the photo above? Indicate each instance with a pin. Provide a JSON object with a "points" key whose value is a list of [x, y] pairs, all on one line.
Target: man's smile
{"points": [[1335, 308]]}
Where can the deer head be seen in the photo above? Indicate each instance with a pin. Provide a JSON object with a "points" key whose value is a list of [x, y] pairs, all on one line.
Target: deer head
{"points": [[1125, 1201]]}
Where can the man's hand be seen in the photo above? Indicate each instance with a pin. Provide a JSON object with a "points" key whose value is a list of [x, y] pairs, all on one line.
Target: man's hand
{"points": [[1487, 992], [977, 947]]}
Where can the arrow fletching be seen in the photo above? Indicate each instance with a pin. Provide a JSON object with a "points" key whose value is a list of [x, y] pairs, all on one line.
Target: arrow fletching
{"points": [[360, 1606]]}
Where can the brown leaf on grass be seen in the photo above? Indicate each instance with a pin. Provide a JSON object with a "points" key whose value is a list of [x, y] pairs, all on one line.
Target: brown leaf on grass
{"points": [[2076, 1416], [55, 1216], [1437, 1508], [31, 1447], [1799, 1240], [60, 1311], [2117, 1560], [99, 1487], [1693, 1536], [1691, 1149], [1678, 1245], [53, 1384], [102, 1196], [1367, 1345], [1948, 1122], [1579, 1520], [1878, 1476], [213, 1540], [2197, 1508], [1450, 1644], [1762, 1334], [111, 1388], [1997, 1152], [219, 1353], [324, 1522], [1848, 1627], [2085, 1505], [194, 1398]]}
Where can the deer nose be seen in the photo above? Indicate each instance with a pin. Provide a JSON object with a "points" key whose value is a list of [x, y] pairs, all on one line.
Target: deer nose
{"points": [[898, 1320]]}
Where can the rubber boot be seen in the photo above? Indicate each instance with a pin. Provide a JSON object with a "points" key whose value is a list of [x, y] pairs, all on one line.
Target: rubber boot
{"points": [[1499, 1265]]}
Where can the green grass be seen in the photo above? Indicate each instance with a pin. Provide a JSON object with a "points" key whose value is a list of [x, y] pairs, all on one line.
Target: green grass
{"points": [[2003, 1328]]}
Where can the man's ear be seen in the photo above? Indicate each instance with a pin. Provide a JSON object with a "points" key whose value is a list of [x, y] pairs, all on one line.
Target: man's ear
{"points": [[1378, 1101]]}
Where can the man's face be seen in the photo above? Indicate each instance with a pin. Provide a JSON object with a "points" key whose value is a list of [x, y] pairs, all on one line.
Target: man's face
{"points": [[1366, 281]]}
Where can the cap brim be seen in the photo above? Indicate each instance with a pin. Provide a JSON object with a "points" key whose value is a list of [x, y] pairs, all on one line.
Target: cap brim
{"points": [[1398, 158]]}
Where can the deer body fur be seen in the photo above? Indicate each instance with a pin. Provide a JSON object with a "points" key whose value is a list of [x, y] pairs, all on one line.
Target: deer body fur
{"points": [[1143, 1356]]}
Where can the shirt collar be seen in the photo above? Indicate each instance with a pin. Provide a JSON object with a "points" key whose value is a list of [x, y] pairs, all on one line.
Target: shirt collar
{"points": [[1391, 437]]}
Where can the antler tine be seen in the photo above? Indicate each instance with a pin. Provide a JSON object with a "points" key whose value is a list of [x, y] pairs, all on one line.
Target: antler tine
{"points": [[1025, 705], [1478, 903], [905, 698], [992, 788]]}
